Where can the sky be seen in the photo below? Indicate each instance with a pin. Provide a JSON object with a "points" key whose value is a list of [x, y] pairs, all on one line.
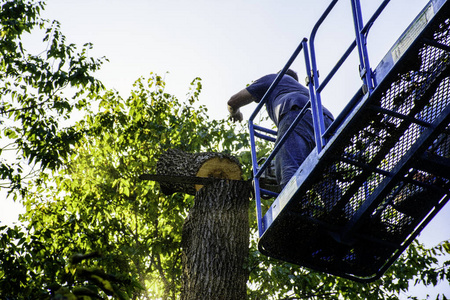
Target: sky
{"points": [[228, 44]]}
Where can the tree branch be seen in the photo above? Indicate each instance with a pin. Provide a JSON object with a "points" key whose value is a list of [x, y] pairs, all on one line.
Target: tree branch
{"points": [[50, 97]]}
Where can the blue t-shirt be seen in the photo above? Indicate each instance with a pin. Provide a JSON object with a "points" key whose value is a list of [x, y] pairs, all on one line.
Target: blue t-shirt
{"points": [[288, 93]]}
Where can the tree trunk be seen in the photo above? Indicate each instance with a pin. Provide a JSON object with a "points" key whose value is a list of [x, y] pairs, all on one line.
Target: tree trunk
{"points": [[215, 235], [215, 243]]}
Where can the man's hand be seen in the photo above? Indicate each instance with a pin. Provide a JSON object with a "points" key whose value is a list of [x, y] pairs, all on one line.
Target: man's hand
{"points": [[236, 116], [236, 101]]}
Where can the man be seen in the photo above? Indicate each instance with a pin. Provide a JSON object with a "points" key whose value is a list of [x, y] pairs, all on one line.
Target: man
{"points": [[283, 105]]}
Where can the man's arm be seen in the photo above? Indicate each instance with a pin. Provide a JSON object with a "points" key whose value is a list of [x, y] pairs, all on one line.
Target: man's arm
{"points": [[238, 100]]}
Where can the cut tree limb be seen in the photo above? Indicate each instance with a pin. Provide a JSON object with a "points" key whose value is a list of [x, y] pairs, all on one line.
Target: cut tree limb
{"points": [[175, 162]]}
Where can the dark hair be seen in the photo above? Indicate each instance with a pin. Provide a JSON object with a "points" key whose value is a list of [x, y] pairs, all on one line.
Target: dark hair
{"points": [[291, 73]]}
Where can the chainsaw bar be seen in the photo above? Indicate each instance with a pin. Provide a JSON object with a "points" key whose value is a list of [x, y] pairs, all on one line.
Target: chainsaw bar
{"points": [[179, 179]]}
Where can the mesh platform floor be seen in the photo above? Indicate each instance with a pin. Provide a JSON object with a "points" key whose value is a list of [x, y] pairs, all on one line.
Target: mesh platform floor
{"points": [[392, 172]]}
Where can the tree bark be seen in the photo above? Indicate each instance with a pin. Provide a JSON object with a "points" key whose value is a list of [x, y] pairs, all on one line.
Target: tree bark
{"points": [[215, 234], [175, 162], [215, 243]]}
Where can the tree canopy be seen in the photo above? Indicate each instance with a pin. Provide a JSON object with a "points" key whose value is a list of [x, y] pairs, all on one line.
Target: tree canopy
{"points": [[92, 228], [39, 92]]}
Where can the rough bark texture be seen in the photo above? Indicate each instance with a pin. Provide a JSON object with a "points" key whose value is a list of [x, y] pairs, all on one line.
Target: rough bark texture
{"points": [[208, 164], [215, 235], [215, 242]]}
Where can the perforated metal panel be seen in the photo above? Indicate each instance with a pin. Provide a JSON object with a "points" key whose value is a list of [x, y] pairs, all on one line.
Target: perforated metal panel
{"points": [[382, 178]]}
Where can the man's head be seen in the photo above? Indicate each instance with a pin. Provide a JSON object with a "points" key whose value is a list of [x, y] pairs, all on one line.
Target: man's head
{"points": [[291, 73]]}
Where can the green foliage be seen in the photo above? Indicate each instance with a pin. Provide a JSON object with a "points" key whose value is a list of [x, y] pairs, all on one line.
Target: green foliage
{"points": [[96, 203], [272, 279], [93, 229], [33, 269], [32, 103]]}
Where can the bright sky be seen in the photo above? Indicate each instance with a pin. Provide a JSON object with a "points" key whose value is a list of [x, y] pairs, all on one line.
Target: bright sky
{"points": [[227, 44]]}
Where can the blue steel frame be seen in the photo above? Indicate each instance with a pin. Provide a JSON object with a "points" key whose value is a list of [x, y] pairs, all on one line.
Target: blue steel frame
{"points": [[315, 88], [257, 171]]}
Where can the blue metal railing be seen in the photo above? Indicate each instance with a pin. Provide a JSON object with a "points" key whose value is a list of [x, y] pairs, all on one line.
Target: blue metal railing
{"points": [[370, 77], [315, 89], [258, 171]]}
